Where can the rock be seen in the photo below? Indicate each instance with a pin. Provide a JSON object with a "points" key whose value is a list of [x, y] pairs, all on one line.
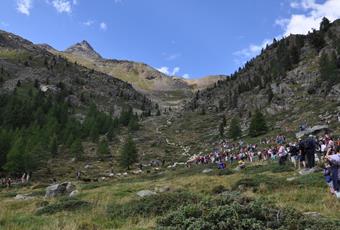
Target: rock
{"points": [[144, 193], [74, 193], [162, 189], [291, 178], [23, 197], [111, 175], [312, 214], [307, 171], [207, 170], [88, 166], [59, 189], [308, 131]]}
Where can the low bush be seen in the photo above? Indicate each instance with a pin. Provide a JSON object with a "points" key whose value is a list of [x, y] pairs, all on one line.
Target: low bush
{"points": [[257, 181], [233, 211], [152, 205], [64, 204]]}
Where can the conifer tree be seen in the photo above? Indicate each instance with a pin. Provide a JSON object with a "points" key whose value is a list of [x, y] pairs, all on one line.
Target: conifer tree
{"points": [[76, 149], [103, 148], [128, 153], [258, 124], [235, 129]]}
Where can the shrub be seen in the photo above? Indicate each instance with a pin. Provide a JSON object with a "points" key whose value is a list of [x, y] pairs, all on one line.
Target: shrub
{"points": [[236, 212], [64, 204], [152, 205]]}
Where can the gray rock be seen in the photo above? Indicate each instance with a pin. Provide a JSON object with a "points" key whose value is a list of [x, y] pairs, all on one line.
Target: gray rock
{"points": [[307, 171], [74, 193], [311, 130], [59, 189], [207, 170], [23, 197], [162, 189], [291, 178], [144, 193], [312, 214]]}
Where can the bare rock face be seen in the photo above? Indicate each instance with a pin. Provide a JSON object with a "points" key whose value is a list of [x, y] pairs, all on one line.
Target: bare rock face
{"points": [[83, 49]]}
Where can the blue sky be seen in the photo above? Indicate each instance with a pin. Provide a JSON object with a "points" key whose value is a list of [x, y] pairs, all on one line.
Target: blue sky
{"points": [[190, 38]]}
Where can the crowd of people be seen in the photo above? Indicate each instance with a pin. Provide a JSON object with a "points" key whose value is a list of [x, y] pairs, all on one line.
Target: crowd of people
{"points": [[305, 154]]}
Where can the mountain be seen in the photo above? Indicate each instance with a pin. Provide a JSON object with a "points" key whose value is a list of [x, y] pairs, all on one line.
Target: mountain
{"points": [[83, 49], [165, 90], [294, 79], [22, 62], [205, 82]]}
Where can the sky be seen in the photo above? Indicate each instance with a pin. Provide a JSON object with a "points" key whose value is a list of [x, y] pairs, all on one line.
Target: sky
{"points": [[186, 38]]}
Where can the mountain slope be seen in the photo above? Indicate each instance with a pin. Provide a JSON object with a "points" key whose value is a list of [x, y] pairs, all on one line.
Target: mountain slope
{"points": [[164, 90], [286, 79], [22, 61]]}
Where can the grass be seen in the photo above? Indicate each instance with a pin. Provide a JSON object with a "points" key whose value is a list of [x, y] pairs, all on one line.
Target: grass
{"points": [[114, 203]]}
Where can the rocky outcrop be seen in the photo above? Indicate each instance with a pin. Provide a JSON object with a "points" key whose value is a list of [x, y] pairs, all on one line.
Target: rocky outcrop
{"points": [[65, 188]]}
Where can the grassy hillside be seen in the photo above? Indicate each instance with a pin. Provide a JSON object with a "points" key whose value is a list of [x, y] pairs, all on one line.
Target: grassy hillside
{"points": [[98, 206]]}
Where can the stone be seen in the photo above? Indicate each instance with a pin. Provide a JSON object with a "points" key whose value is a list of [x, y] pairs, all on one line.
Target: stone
{"points": [[162, 189], [207, 170], [59, 189], [74, 193], [88, 166], [311, 130], [312, 214], [144, 193], [23, 197], [291, 178]]}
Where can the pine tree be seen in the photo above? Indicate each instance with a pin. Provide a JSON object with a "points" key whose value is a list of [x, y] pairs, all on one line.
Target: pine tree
{"points": [[103, 148], [128, 154], [133, 124], [76, 149], [235, 129], [221, 130], [54, 146], [258, 124]]}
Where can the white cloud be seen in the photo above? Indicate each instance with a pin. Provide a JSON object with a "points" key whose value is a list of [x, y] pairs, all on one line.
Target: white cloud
{"points": [[75, 2], [24, 6], [166, 70], [88, 23], [175, 71], [186, 76], [103, 26], [252, 50], [172, 57], [311, 17], [62, 6]]}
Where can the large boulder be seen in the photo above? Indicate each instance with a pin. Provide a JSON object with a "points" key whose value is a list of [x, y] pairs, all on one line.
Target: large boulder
{"points": [[311, 130], [65, 188]]}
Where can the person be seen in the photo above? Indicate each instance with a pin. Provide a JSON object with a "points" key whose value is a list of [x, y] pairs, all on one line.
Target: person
{"points": [[282, 154], [302, 153], [294, 155], [334, 161], [310, 147], [9, 182], [78, 175]]}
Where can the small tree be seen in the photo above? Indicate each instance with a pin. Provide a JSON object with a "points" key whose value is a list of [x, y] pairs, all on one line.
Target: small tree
{"points": [[133, 124], [103, 148], [235, 129], [221, 130], [258, 124], [128, 154], [76, 149], [54, 146]]}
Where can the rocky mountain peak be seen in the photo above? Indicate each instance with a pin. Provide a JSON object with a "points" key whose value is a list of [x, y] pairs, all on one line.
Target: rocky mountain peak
{"points": [[83, 49]]}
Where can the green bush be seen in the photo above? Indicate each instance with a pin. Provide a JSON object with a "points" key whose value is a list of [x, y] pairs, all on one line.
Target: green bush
{"points": [[152, 205], [64, 204], [270, 182], [233, 211]]}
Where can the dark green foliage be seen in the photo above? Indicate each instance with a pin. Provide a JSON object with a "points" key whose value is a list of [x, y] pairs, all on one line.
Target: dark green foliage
{"points": [[235, 129], [317, 40], [128, 153], [103, 148], [152, 205], [233, 211], [64, 204], [329, 70], [221, 130], [76, 149], [258, 124], [325, 24], [54, 146], [133, 124]]}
